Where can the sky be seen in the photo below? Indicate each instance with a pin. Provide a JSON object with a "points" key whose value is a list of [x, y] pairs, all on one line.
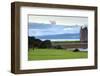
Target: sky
{"points": [[40, 26], [51, 29], [60, 20]]}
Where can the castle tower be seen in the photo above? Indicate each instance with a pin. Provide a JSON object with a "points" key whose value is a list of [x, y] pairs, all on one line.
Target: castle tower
{"points": [[83, 34]]}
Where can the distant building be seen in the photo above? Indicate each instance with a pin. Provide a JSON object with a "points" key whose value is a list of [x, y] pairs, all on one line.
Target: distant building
{"points": [[84, 34]]}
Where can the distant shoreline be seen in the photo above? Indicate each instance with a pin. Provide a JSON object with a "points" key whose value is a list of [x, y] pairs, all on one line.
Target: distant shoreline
{"points": [[61, 39]]}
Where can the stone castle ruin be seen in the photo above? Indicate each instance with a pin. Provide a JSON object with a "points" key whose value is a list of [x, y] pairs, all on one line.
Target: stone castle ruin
{"points": [[84, 34]]}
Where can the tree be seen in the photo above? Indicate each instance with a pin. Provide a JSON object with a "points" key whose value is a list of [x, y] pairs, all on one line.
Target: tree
{"points": [[33, 42], [30, 41], [37, 43], [46, 44]]}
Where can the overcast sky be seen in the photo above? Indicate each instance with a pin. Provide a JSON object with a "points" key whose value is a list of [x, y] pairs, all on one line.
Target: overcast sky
{"points": [[63, 20], [55, 25]]}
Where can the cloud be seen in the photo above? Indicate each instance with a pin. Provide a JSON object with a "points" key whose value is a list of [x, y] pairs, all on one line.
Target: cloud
{"points": [[53, 31]]}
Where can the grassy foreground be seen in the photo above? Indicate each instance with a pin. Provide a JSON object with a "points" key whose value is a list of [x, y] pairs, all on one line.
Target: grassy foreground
{"points": [[49, 54]]}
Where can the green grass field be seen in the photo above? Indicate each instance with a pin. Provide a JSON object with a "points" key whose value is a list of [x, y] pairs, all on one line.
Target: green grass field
{"points": [[50, 54]]}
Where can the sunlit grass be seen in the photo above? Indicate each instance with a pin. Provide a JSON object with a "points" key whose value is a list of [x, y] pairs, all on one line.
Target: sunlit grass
{"points": [[49, 54]]}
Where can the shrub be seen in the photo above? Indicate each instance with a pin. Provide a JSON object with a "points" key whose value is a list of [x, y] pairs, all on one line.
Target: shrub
{"points": [[76, 50]]}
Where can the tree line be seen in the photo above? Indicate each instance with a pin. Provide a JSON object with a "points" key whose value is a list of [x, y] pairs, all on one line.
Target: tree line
{"points": [[37, 43]]}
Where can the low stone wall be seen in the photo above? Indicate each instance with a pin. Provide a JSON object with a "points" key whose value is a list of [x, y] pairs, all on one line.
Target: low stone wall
{"points": [[72, 45]]}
